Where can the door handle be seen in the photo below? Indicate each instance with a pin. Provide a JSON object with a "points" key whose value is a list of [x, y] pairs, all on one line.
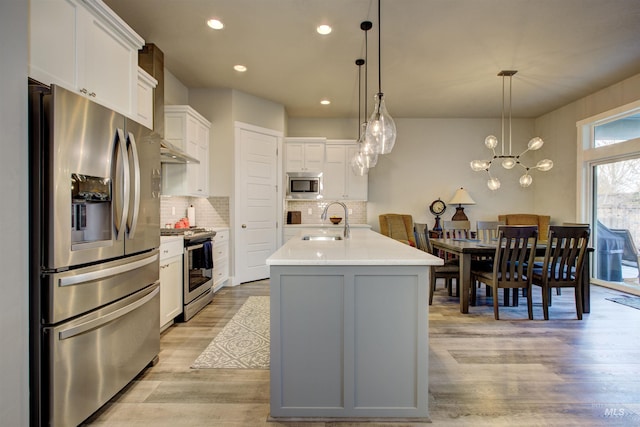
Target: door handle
{"points": [[121, 153], [132, 218], [244, 225]]}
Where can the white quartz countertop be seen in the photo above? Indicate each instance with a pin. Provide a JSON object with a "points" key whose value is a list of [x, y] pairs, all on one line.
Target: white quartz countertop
{"points": [[365, 247], [327, 225]]}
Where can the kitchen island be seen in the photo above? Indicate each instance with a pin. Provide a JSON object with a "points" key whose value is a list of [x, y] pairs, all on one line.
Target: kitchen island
{"points": [[349, 328]]}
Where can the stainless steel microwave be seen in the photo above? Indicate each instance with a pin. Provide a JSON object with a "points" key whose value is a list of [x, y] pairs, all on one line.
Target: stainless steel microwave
{"points": [[304, 185]]}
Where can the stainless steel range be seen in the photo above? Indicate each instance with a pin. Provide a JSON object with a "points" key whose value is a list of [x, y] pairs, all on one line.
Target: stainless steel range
{"points": [[197, 280]]}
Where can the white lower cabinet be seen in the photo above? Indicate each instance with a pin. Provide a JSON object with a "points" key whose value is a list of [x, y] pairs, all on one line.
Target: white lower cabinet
{"points": [[220, 259], [171, 273]]}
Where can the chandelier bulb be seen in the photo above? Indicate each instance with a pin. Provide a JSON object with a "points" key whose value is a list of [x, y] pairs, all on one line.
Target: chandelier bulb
{"points": [[480, 165], [544, 165], [493, 184], [491, 142], [535, 143], [526, 180], [508, 163]]}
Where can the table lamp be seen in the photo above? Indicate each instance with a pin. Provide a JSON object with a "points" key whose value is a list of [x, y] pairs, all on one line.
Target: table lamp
{"points": [[461, 197]]}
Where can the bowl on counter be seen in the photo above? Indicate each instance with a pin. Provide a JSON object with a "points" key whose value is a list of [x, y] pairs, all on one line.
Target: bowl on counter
{"points": [[335, 219]]}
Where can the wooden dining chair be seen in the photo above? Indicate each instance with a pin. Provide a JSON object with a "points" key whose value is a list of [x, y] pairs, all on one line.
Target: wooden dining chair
{"points": [[513, 263], [488, 230], [449, 272], [456, 229], [562, 266]]}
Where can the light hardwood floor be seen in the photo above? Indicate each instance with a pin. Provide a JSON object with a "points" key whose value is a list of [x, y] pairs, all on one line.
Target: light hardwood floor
{"points": [[482, 372]]}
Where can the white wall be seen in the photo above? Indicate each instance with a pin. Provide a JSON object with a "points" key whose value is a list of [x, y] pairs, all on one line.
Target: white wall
{"points": [[14, 403], [175, 93], [558, 191], [430, 160], [224, 107]]}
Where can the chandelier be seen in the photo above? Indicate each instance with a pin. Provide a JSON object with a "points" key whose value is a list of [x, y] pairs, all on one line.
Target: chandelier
{"points": [[509, 160]]}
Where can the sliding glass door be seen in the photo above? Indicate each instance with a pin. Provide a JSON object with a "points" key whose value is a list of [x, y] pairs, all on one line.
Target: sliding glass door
{"points": [[609, 194]]}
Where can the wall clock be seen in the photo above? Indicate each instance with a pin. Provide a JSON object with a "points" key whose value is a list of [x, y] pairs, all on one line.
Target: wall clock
{"points": [[437, 208]]}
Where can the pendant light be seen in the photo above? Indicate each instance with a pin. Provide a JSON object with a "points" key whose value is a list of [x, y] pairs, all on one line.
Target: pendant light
{"points": [[381, 129], [368, 152], [508, 160], [359, 162]]}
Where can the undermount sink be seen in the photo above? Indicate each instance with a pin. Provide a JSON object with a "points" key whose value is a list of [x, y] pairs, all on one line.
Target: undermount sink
{"points": [[321, 238]]}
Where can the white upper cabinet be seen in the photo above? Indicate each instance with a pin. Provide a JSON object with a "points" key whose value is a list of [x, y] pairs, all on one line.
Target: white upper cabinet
{"points": [[188, 130], [84, 46], [304, 154], [146, 84], [340, 182]]}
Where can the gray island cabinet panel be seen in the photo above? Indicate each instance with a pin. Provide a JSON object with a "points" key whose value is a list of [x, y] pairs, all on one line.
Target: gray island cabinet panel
{"points": [[349, 329]]}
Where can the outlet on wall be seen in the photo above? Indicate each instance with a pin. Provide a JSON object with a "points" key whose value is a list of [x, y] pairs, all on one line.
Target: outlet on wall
{"points": [[309, 211], [350, 211], [173, 210]]}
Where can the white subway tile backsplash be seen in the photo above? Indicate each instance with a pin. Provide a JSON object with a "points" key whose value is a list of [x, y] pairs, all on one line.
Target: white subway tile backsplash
{"points": [[358, 214], [210, 212]]}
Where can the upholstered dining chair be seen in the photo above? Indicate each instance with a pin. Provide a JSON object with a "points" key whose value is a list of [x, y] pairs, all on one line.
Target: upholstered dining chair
{"points": [[513, 263], [449, 272], [562, 266], [456, 229], [542, 221], [398, 227]]}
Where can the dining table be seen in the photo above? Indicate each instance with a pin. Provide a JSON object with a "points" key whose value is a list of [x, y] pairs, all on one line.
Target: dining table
{"points": [[467, 249]]}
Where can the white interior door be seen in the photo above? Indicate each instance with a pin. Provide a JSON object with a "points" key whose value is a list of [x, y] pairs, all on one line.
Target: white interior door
{"points": [[256, 195]]}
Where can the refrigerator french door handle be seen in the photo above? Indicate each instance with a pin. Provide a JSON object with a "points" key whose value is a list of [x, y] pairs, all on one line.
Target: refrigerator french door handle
{"points": [[107, 272], [103, 320], [132, 220], [122, 154]]}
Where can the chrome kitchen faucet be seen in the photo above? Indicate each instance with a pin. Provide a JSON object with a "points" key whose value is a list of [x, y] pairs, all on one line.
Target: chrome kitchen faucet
{"points": [[347, 230]]}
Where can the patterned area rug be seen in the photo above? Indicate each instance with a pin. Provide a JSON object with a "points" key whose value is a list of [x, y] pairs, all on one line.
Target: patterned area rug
{"points": [[630, 301], [244, 342]]}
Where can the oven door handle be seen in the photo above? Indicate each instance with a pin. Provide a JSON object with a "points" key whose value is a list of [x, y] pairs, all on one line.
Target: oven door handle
{"points": [[194, 247], [103, 320]]}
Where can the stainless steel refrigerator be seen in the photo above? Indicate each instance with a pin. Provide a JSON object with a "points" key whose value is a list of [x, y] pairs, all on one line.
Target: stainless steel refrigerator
{"points": [[94, 265]]}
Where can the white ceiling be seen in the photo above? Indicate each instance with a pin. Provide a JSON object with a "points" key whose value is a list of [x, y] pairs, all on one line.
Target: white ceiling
{"points": [[440, 58]]}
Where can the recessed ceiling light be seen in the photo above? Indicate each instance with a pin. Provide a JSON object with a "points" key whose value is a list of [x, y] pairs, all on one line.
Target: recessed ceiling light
{"points": [[215, 24], [325, 102], [323, 29], [240, 68]]}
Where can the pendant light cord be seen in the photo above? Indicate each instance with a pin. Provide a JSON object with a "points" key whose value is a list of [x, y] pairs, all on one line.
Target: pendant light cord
{"points": [[379, 51]]}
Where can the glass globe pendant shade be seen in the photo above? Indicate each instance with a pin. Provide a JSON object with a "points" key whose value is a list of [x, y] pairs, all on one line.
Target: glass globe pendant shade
{"points": [[526, 180], [544, 165], [535, 143], [493, 184], [368, 153], [480, 165], [357, 165], [508, 163], [381, 129], [491, 142]]}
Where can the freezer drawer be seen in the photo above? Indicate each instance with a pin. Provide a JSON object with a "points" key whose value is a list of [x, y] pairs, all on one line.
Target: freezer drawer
{"points": [[95, 356], [79, 291]]}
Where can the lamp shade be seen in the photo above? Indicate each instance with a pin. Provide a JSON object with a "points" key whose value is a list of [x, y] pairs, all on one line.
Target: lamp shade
{"points": [[461, 197]]}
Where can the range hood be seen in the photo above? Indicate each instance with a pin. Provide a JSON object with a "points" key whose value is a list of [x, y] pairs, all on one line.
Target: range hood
{"points": [[169, 153], [151, 59]]}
